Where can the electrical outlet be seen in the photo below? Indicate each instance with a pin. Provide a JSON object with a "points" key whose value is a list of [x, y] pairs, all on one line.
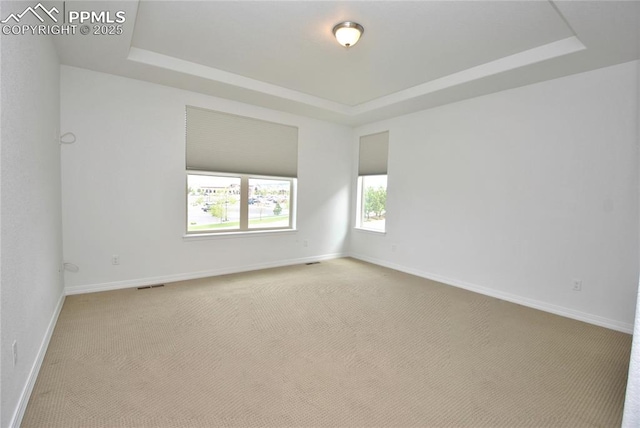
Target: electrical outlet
{"points": [[394, 247], [115, 259], [14, 350], [577, 285], [305, 243]]}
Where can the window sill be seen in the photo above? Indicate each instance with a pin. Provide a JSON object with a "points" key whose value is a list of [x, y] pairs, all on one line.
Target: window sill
{"points": [[375, 232], [231, 235]]}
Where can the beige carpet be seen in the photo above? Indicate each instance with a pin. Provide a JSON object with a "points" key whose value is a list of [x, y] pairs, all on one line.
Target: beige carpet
{"points": [[341, 343]]}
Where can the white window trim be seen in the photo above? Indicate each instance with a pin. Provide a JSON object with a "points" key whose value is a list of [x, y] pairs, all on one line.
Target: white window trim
{"points": [[244, 206], [237, 234], [359, 212], [371, 231]]}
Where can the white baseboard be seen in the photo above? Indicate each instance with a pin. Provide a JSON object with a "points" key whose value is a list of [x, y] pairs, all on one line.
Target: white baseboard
{"points": [[531, 303], [16, 420], [142, 282]]}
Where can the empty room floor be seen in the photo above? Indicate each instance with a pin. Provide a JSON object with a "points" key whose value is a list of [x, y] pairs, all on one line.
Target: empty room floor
{"points": [[340, 343]]}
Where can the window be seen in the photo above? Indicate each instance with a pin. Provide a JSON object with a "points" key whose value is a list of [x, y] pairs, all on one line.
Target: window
{"points": [[269, 203], [372, 182], [222, 203], [241, 173], [372, 195], [213, 203]]}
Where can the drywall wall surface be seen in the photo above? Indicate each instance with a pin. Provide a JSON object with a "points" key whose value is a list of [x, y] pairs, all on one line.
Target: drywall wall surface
{"points": [[631, 416], [31, 224], [519, 193], [124, 187]]}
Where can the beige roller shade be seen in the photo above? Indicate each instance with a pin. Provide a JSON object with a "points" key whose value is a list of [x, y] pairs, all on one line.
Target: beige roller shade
{"points": [[374, 151], [222, 142]]}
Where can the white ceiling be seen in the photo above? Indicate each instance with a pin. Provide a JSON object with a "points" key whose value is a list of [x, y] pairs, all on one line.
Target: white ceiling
{"points": [[412, 56]]}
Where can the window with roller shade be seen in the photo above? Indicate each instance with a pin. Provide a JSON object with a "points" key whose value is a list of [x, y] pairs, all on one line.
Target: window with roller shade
{"points": [[372, 182], [241, 173]]}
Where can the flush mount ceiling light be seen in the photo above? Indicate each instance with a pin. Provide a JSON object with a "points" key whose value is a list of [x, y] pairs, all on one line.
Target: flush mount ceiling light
{"points": [[348, 33]]}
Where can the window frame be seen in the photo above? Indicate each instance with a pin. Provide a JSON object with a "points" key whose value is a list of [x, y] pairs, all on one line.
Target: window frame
{"points": [[360, 214], [243, 227]]}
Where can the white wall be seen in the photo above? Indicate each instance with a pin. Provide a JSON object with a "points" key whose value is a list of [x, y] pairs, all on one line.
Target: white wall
{"points": [[517, 193], [124, 187], [32, 288], [632, 401], [631, 418]]}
